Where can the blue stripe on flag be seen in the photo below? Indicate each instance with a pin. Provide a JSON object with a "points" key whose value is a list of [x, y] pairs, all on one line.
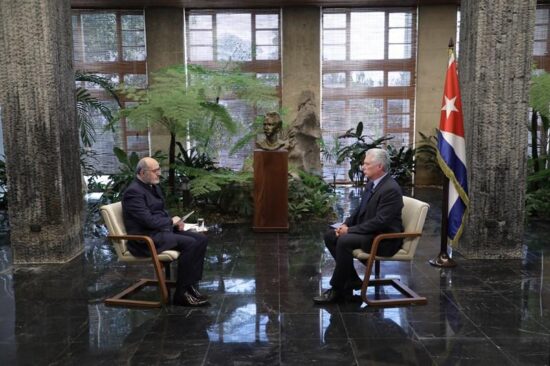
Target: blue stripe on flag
{"points": [[453, 162], [455, 218]]}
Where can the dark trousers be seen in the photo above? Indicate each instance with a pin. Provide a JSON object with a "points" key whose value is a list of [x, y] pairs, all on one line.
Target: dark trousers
{"points": [[192, 248], [341, 249]]}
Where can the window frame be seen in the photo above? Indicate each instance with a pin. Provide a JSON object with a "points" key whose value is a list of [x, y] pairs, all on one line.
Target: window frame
{"points": [[120, 67], [349, 93]]}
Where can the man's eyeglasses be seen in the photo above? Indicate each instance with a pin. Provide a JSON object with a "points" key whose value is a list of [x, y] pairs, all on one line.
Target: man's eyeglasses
{"points": [[157, 170]]}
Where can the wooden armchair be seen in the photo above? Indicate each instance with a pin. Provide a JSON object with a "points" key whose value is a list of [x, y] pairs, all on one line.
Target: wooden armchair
{"points": [[112, 215], [413, 216]]}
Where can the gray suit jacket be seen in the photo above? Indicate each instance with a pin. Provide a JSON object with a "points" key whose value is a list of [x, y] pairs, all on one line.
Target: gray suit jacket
{"points": [[382, 214]]}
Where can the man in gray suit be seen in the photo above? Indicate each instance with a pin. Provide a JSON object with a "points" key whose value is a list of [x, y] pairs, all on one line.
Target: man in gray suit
{"points": [[379, 212]]}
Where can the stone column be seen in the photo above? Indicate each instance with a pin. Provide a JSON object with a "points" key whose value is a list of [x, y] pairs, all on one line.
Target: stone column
{"points": [[301, 83], [436, 25], [37, 96], [164, 27], [494, 70]]}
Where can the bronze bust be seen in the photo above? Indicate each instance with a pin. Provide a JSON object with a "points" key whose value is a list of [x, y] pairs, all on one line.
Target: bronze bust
{"points": [[273, 125]]}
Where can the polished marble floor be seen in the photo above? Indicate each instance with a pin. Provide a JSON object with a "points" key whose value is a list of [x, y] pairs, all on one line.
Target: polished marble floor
{"points": [[486, 312]]}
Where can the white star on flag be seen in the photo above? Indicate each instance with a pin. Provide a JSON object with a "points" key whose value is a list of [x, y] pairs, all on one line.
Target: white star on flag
{"points": [[449, 106]]}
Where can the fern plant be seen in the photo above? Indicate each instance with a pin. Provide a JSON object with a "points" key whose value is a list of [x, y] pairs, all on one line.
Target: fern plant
{"points": [[119, 181], [355, 151], [186, 101], [86, 105]]}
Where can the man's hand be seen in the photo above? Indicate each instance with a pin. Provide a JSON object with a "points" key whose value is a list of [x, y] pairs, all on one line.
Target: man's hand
{"points": [[342, 230], [178, 223]]}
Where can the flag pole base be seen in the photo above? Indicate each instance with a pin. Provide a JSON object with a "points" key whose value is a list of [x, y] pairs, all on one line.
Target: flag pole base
{"points": [[442, 260]]}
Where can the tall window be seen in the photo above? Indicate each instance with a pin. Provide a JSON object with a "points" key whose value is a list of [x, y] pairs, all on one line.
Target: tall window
{"points": [[368, 75], [541, 57], [541, 61], [112, 44], [250, 38]]}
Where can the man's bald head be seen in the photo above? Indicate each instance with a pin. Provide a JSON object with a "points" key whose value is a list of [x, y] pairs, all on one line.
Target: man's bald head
{"points": [[148, 171]]}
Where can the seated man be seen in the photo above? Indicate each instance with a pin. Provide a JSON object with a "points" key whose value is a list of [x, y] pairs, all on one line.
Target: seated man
{"points": [[379, 212], [144, 214]]}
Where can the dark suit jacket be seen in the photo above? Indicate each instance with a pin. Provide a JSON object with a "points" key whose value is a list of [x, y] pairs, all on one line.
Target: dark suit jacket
{"points": [[144, 214], [382, 214]]}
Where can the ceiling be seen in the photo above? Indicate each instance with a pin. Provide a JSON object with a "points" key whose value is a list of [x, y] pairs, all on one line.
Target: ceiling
{"points": [[212, 4]]}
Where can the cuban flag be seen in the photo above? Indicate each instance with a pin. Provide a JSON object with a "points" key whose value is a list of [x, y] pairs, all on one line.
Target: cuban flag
{"points": [[451, 152]]}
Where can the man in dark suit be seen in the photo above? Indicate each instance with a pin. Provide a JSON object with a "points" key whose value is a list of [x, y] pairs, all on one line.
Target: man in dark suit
{"points": [[379, 212], [144, 214]]}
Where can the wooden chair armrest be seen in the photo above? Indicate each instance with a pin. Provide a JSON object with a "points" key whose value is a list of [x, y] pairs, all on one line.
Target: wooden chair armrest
{"points": [[144, 238], [379, 238]]}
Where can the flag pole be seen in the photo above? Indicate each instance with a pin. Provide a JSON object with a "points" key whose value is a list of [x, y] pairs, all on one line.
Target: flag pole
{"points": [[443, 260]]}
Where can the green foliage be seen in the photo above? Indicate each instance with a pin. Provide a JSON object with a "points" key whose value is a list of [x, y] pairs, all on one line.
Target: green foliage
{"points": [[208, 182], [168, 102], [330, 155], [402, 164], [119, 181], [254, 129], [538, 203], [426, 152], [88, 161], [223, 190], [86, 105], [539, 94], [186, 101], [540, 103], [309, 196], [355, 151], [538, 193], [193, 158], [402, 160]]}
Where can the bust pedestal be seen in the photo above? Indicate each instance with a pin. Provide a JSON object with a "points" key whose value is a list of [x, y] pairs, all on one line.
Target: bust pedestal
{"points": [[270, 191]]}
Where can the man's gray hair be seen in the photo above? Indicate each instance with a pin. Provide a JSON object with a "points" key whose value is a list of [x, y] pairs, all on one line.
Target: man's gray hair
{"points": [[141, 165], [380, 156]]}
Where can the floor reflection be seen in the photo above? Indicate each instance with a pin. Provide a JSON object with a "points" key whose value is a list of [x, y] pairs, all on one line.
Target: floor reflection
{"points": [[261, 313]]}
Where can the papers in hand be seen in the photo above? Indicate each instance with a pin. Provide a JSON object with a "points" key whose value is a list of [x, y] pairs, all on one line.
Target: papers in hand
{"points": [[176, 219], [194, 227], [336, 225]]}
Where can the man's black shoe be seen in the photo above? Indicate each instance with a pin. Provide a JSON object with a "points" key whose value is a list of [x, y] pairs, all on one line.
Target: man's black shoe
{"points": [[196, 293], [187, 299], [330, 296]]}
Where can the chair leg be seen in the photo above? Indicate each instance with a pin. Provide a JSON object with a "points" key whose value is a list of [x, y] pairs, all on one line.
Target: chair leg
{"points": [[377, 269], [160, 282], [411, 297], [121, 300], [167, 271]]}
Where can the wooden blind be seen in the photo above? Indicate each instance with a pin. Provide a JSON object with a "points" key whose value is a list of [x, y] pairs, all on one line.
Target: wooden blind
{"points": [[541, 57], [369, 61], [250, 38], [541, 62], [112, 44]]}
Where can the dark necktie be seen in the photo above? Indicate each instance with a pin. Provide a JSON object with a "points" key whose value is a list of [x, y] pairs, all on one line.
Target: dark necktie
{"points": [[369, 190]]}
